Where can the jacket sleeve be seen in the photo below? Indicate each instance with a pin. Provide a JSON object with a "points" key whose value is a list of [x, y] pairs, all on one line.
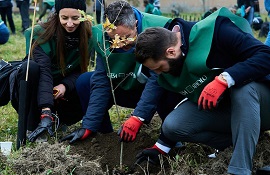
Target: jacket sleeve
{"points": [[70, 80], [252, 57], [100, 95], [267, 5], [45, 90], [150, 97]]}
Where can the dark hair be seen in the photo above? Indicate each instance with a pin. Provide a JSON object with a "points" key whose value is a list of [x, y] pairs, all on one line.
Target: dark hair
{"points": [[53, 28], [153, 43], [120, 13], [145, 2], [214, 9], [75, 4]]}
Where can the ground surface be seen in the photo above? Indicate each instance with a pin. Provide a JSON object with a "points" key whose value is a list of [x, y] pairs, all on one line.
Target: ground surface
{"points": [[100, 155]]}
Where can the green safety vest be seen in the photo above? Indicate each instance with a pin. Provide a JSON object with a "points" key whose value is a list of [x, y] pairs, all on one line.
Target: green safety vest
{"points": [[195, 74], [50, 2], [72, 60], [123, 68]]}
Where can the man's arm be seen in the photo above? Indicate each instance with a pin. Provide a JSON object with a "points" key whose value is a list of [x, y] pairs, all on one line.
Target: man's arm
{"points": [[100, 95], [144, 111], [150, 97], [252, 56], [244, 58]]}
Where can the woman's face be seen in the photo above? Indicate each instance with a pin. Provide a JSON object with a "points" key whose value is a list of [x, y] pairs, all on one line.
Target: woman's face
{"points": [[69, 19]]}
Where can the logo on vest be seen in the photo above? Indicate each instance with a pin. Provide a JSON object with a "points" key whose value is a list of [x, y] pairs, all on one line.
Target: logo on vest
{"points": [[121, 75], [192, 87]]}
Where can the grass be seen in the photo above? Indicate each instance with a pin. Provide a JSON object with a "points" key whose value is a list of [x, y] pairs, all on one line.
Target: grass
{"points": [[8, 123], [14, 49]]}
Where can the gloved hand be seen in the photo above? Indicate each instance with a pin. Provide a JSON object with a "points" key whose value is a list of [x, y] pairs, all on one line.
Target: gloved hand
{"points": [[129, 129], [149, 154], [79, 134], [212, 94], [46, 124]]}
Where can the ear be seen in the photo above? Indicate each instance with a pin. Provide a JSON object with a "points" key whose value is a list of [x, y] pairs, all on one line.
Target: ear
{"points": [[170, 53], [176, 28]]}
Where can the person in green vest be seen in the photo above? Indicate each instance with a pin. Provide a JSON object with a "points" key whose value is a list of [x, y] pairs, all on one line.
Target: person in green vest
{"points": [[60, 53], [133, 85], [4, 32], [46, 5], [150, 8], [224, 73]]}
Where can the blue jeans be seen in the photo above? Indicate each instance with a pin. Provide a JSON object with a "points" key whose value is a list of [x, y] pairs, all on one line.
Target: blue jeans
{"points": [[250, 15], [267, 40]]}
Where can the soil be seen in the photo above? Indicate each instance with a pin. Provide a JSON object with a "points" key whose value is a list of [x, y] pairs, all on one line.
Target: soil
{"points": [[100, 154]]}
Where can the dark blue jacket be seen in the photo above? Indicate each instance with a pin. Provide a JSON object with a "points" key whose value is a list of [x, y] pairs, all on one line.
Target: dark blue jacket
{"points": [[245, 58]]}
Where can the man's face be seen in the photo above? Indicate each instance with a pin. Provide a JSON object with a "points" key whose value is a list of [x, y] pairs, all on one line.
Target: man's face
{"points": [[176, 65], [126, 34], [172, 66]]}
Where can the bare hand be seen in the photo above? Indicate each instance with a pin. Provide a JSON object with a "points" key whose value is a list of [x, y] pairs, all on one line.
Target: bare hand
{"points": [[61, 91], [247, 9]]}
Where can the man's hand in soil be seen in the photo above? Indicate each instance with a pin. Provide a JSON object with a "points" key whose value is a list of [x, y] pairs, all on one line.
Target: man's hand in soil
{"points": [[149, 154], [129, 129], [79, 134]]}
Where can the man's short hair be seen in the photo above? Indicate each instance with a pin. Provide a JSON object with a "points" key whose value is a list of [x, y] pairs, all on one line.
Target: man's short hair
{"points": [[120, 13], [153, 43]]}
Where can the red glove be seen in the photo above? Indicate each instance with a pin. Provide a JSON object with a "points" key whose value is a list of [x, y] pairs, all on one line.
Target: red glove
{"points": [[212, 94], [130, 128]]}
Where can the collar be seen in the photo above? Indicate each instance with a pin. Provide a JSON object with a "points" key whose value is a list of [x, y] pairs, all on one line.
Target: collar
{"points": [[179, 28], [139, 17]]}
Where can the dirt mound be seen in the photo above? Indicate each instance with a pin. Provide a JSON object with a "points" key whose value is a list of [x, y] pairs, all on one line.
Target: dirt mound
{"points": [[107, 148], [53, 159], [100, 154]]}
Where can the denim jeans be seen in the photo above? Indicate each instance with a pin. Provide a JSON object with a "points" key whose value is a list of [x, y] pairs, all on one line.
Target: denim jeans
{"points": [[267, 40]]}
